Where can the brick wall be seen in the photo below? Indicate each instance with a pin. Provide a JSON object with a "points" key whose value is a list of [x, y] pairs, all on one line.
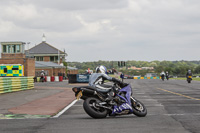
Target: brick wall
{"points": [[29, 67], [57, 70], [72, 71], [46, 58], [12, 61], [51, 71], [17, 55]]}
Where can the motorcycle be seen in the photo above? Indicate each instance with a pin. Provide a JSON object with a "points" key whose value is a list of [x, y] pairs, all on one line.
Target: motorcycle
{"points": [[98, 103], [42, 79], [162, 77], [189, 79]]}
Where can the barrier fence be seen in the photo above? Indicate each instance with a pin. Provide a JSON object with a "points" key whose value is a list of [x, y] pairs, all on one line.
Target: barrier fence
{"points": [[12, 84], [84, 78], [49, 79]]}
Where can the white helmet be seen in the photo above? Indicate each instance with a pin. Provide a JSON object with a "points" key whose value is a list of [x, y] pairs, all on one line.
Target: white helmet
{"points": [[101, 69]]}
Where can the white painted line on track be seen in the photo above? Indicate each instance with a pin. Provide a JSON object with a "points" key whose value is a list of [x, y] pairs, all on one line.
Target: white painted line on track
{"points": [[65, 109], [178, 94]]}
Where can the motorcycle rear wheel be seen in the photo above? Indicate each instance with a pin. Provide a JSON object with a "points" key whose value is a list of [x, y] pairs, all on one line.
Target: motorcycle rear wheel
{"points": [[138, 108], [91, 108]]}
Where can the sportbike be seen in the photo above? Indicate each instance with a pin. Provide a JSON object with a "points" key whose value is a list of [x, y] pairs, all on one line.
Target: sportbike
{"points": [[189, 79], [98, 103]]}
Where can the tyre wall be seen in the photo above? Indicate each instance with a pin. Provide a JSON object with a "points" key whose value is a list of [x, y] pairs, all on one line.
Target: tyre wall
{"points": [[12, 84]]}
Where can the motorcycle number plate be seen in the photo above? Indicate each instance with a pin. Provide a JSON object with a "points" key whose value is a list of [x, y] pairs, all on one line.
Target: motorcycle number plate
{"points": [[189, 76], [79, 95]]}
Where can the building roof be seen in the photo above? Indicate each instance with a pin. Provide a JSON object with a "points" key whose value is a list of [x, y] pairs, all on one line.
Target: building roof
{"points": [[45, 48], [42, 64], [13, 42]]}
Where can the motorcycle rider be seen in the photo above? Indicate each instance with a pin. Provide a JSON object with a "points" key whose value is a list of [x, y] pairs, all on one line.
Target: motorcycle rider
{"points": [[167, 75], [189, 73], [97, 79], [162, 74], [42, 78]]}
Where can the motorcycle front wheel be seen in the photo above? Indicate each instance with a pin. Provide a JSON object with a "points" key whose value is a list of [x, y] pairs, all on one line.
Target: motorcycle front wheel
{"points": [[189, 80], [91, 107], [138, 108]]}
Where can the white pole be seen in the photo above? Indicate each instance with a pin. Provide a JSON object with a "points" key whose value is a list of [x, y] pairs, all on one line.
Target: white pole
{"points": [[58, 58]]}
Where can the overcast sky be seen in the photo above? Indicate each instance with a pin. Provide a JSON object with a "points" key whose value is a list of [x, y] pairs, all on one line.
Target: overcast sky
{"points": [[92, 30]]}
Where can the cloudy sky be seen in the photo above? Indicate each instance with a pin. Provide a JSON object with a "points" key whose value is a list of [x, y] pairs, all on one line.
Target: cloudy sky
{"points": [[92, 30]]}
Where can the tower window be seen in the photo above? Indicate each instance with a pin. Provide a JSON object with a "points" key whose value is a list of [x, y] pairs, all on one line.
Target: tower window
{"points": [[11, 49], [38, 58], [4, 48]]}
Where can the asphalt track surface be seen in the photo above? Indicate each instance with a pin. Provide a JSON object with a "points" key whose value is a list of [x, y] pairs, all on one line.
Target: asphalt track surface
{"points": [[173, 106]]}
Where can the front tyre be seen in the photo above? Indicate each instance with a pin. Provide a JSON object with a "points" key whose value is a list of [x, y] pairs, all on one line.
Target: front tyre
{"points": [[189, 80], [91, 107], [138, 108]]}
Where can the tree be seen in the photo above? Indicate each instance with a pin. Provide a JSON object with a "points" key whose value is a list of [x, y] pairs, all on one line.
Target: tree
{"points": [[197, 70], [173, 67], [65, 64], [159, 69], [177, 71]]}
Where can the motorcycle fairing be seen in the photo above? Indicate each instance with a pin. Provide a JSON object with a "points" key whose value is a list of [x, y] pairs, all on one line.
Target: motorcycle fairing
{"points": [[127, 104], [121, 108], [128, 91]]}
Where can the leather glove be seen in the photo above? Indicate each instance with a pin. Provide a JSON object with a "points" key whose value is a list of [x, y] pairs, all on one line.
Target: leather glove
{"points": [[121, 84]]}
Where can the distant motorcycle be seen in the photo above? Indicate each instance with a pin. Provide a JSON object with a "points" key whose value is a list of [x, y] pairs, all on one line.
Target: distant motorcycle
{"points": [[42, 79], [162, 77], [98, 103], [167, 77], [189, 79]]}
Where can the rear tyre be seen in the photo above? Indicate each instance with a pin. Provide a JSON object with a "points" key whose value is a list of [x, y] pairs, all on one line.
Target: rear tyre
{"points": [[138, 108], [91, 107]]}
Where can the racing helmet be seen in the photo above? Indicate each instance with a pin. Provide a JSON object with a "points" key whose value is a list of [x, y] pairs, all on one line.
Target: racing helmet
{"points": [[101, 69]]}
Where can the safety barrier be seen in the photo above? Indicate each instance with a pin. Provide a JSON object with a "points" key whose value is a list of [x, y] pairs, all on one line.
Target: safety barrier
{"points": [[12, 84], [146, 77], [79, 78]]}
